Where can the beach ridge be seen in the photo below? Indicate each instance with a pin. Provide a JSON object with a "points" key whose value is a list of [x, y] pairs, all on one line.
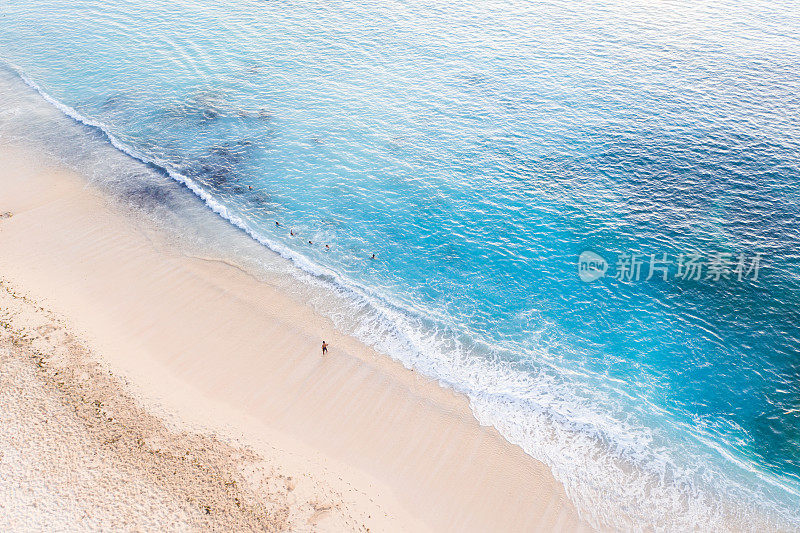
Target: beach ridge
{"points": [[184, 479]]}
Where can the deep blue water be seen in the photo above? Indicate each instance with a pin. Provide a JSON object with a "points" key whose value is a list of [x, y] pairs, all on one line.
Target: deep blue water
{"points": [[477, 148]]}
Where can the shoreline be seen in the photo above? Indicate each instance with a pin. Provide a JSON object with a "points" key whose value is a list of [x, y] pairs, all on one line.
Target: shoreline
{"points": [[207, 347]]}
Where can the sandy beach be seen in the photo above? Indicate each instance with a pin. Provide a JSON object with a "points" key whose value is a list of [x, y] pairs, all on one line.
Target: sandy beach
{"points": [[147, 389]]}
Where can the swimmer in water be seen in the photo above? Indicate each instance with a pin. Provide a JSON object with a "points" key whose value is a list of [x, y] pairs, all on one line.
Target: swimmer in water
{"points": [[277, 223], [291, 232], [373, 256]]}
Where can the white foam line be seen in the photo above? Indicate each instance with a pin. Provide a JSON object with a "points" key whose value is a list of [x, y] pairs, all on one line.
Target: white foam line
{"points": [[301, 261], [377, 301]]}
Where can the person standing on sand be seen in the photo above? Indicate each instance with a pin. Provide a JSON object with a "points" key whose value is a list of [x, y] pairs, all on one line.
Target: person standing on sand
{"points": [[324, 347]]}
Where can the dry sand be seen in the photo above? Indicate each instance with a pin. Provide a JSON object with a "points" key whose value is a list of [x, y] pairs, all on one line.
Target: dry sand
{"points": [[144, 389]]}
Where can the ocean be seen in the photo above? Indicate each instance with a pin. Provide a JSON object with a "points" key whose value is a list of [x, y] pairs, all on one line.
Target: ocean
{"points": [[584, 215]]}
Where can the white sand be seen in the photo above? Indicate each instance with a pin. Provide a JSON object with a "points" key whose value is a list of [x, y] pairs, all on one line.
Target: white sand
{"points": [[352, 441]]}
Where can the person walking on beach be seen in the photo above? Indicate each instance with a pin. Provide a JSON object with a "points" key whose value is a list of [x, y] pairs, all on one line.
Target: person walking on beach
{"points": [[324, 348]]}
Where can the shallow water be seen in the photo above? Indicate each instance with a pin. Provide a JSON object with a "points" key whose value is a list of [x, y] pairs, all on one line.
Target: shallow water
{"points": [[477, 149]]}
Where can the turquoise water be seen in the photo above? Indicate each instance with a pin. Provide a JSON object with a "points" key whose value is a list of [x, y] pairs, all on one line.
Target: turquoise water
{"points": [[477, 148]]}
